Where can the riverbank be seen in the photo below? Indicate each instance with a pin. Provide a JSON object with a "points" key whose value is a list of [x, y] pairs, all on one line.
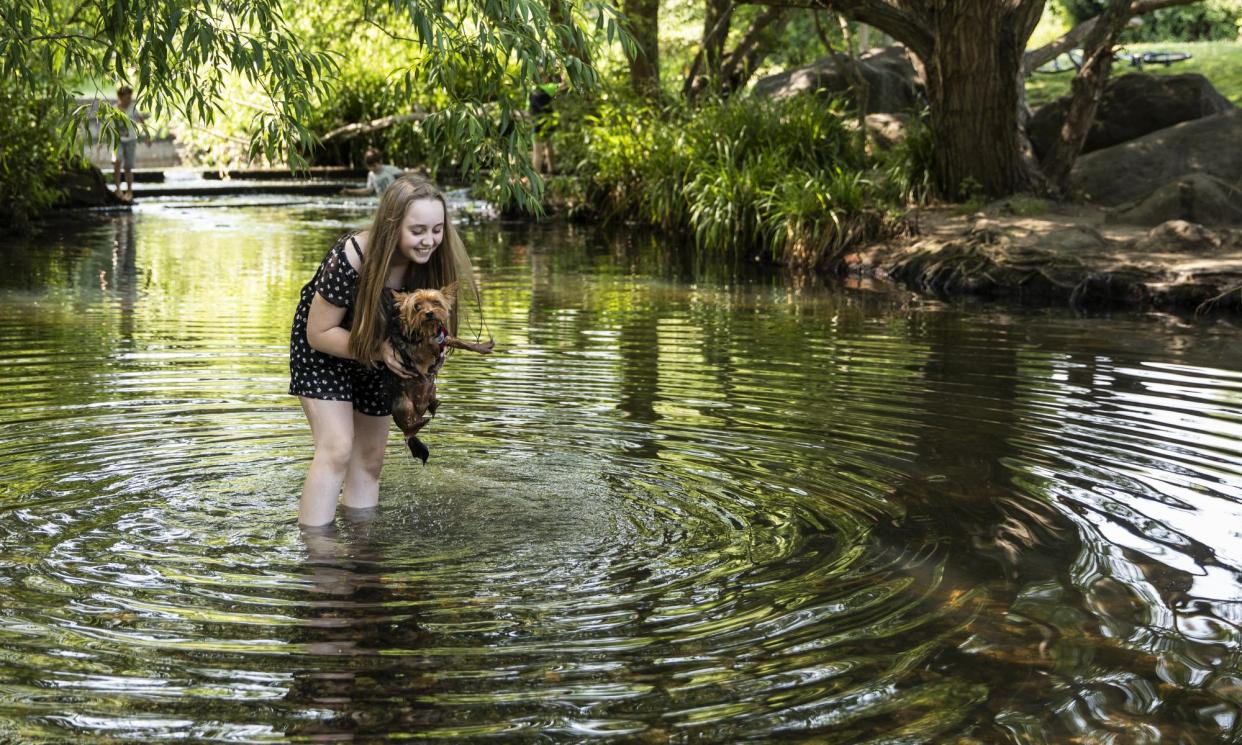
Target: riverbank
{"points": [[1046, 254]]}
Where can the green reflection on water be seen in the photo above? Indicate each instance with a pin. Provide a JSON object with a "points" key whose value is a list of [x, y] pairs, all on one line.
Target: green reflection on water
{"points": [[681, 502]]}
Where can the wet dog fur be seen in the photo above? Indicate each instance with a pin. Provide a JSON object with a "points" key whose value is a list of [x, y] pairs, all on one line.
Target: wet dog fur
{"points": [[418, 332]]}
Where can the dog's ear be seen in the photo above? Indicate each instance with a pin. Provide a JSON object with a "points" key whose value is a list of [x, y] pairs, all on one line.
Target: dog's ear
{"points": [[450, 293], [398, 297]]}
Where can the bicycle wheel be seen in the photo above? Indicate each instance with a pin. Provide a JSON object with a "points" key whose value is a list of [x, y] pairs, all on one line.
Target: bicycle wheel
{"points": [[1164, 58], [1059, 64]]}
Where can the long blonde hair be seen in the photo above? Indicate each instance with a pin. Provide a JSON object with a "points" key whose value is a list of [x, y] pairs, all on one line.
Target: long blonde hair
{"points": [[450, 263]]}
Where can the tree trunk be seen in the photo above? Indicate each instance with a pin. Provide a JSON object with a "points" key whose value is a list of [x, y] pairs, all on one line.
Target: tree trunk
{"points": [[848, 61], [717, 18], [1086, 91], [644, 17], [974, 90], [760, 38]]}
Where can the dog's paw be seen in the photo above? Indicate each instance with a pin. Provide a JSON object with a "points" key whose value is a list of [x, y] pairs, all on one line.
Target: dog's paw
{"points": [[418, 449]]}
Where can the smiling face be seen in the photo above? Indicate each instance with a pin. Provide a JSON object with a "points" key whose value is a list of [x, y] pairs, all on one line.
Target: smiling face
{"points": [[422, 230]]}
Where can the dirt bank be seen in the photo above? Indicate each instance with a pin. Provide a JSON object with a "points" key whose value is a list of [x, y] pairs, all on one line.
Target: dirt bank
{"points": [[1046, 254]]}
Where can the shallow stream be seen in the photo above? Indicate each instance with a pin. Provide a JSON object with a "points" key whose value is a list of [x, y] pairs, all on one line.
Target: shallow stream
{"points": [[679, 504]]}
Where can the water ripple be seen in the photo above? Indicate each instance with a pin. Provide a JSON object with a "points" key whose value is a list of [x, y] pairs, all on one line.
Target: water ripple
{"points": [[664, 511]]}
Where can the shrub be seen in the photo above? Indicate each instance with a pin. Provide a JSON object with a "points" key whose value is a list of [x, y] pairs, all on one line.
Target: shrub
{"points": [[781, 180], [31, 156]]}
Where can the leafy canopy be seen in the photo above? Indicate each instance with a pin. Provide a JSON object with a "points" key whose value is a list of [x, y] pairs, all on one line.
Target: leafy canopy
{"points": [[180, 54]]}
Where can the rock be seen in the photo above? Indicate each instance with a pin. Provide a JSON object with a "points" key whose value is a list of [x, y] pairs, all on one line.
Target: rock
{"points": [[1177, 236], [1136, 169], [1133, 105], [1197, 198], [893, 84], [887, 130], [86, 187]]}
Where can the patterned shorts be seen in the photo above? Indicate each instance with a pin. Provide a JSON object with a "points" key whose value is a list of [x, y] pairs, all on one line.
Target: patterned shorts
{"points": [[342, 380]]}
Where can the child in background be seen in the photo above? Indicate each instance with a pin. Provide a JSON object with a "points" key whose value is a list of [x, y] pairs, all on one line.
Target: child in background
{"points": [[128, 147], [380, 177], [339, 344]]}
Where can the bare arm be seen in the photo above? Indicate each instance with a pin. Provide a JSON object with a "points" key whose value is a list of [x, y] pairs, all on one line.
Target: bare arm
{"points": [[323, 328], [363, 192]]}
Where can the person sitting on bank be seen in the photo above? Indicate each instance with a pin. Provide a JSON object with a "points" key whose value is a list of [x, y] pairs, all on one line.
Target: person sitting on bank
{"points": [[128, 146], [381, 176]]}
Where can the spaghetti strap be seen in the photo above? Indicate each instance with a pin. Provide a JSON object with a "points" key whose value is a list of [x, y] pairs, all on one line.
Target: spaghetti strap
{"points": [[357, 249]]}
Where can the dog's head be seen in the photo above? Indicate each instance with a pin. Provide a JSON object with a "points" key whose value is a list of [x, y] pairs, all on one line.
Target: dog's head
{"points": [[425, 310]]}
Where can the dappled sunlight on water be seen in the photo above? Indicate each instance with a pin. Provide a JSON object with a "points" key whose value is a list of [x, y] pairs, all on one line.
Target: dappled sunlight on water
{"points": [[678, 504]]}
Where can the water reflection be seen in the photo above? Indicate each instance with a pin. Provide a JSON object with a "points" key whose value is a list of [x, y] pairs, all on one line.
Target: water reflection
{"points": [[685, 503]]}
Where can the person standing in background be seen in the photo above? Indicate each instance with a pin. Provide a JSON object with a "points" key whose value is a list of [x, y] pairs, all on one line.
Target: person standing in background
{"points": [[128, 146]]}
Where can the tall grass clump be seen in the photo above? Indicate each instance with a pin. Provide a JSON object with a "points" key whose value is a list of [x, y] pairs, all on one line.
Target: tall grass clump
{"points": [[786, 181]]}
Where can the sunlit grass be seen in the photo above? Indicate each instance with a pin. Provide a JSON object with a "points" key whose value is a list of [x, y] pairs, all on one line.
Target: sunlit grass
{"points": [[1218, 61]]}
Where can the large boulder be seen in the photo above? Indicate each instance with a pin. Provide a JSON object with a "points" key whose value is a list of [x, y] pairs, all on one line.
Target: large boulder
{"points": [[893, 85], [1197, 198], [887, 130], [1178, 236], [1133, 105], [1131, 171]]}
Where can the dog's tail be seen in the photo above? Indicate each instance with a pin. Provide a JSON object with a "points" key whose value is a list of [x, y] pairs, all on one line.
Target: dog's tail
{"points": [[418, 449]]}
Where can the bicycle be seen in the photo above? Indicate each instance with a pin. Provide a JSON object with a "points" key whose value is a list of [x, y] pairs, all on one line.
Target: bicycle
{"points": [[1072, 60], [1153, 58]]}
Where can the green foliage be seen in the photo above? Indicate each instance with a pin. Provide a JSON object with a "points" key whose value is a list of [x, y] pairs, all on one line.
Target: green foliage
{"points": [[800, 41], [365, 94], [908, 166], [242, 81], [1206, 20], [1054, 22], [178, 54], [744, 177], [30, 156]]}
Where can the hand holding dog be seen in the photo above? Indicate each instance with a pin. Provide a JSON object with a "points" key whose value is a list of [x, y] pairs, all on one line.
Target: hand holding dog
{"points": [[393, 361]]}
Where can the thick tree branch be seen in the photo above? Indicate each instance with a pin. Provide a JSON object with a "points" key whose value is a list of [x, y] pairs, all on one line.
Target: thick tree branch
{"points": [[746, 55], [361, 128], [709, 48], [848, 61], [903, 26], [1087, 89]]}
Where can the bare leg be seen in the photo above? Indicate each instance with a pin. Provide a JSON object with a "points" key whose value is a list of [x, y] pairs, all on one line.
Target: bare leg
{"points": [[365, 462], [332, 427], [129, 177], [548, 156], [116, 175]]}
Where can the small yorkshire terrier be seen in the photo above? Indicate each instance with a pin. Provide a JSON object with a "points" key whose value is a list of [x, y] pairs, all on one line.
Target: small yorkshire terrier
{"points": [[418, 331]]}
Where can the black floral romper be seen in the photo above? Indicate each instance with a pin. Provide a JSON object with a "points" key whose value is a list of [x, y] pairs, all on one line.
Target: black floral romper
{"points": [[315, 374]]}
